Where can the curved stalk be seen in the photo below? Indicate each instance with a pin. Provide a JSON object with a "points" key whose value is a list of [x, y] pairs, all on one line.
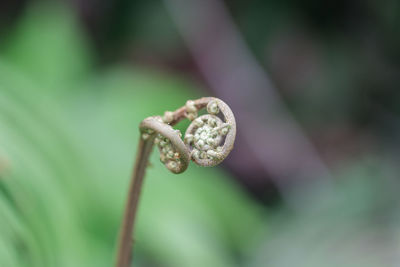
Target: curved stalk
{"points": [[124, 255]]}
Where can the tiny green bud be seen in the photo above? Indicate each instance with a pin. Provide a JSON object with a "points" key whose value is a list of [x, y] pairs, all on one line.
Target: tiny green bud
{"points": [[170, 154], [212, 153], [200, 143], [172, 165], [211, 141], [203, 154], [191, 115], [195, 154], [212, 122], [188, 138], [163, 143], [198, 122], [145, 136], [212, 107], [224, 129], [190, 106], [168, 116]]}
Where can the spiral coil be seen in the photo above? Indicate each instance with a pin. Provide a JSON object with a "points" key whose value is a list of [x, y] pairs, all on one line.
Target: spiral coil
{"points": [[208, 139]]}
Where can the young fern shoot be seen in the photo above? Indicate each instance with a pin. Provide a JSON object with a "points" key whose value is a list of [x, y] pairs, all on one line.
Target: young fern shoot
{"points": [[208, 141]]}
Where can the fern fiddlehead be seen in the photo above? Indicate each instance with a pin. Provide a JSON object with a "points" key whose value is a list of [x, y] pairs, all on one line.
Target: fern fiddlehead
{"points": [[208, 141]]}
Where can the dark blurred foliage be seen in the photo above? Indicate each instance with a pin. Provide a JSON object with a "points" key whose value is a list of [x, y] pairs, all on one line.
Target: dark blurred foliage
{"points": [[9, 12]]}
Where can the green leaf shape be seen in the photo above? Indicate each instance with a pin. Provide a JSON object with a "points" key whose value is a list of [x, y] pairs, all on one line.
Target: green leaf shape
{"points": [[49, 47]]}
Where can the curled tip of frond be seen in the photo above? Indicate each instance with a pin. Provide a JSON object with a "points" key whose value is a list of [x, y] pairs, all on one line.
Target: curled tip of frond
{"points": [[173, 152], [212, 107], [208, 139]]}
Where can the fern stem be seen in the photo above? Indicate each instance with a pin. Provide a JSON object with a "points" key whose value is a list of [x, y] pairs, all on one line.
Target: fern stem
{"points": [[124, 256]]}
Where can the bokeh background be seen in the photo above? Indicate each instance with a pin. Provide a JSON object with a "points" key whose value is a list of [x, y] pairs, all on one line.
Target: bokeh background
{"points": [[314, 176]]}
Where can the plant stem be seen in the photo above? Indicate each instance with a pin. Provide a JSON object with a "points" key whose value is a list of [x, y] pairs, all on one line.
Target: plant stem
{"points": [[124, 255]]}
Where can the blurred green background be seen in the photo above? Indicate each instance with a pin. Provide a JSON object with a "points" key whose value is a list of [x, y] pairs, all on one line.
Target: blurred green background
{"points": [[313, 179]]}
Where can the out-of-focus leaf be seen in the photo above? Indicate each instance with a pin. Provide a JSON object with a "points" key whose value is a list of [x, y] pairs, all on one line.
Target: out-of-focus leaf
{"points": [[356, 224], [49, 47]]}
